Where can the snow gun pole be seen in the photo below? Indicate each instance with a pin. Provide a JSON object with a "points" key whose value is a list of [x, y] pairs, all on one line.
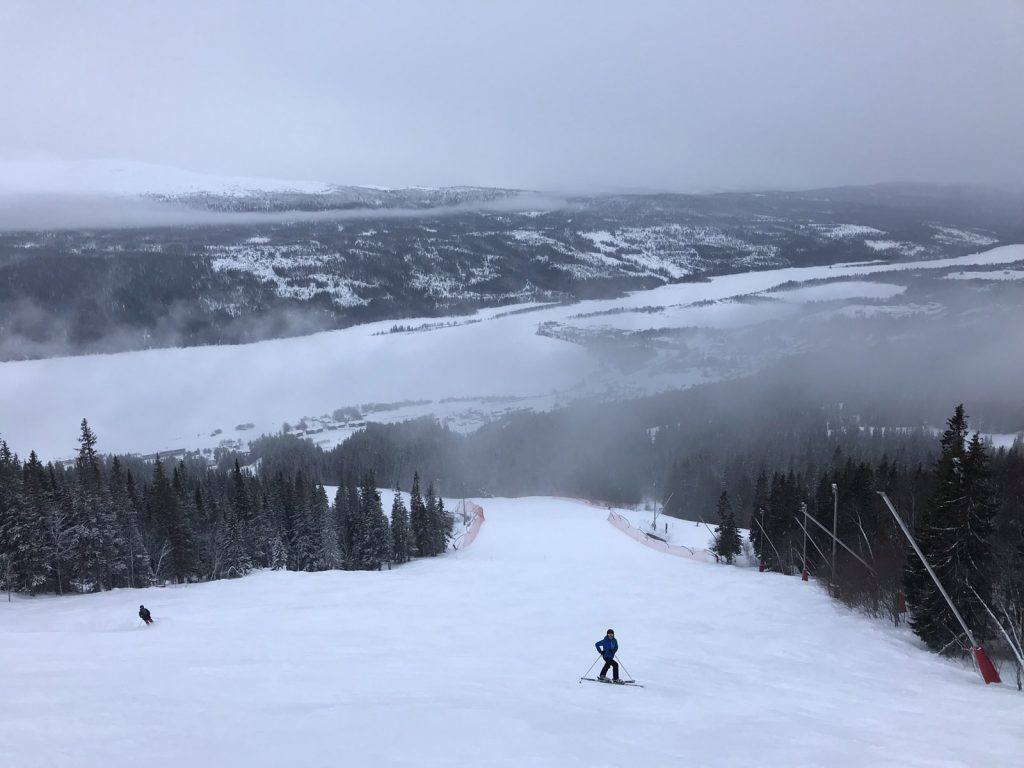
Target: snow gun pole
{"points": [[803, 567], [988, 672], [838, 541], [763, 533], [813, 543], [835, 526], [654, 523]]}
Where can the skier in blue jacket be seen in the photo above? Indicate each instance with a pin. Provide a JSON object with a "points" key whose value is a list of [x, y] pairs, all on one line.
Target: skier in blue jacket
{"points": [[607, 647]]}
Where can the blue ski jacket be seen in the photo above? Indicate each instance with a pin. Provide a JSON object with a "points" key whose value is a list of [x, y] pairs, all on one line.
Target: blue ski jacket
{"points": [[607, 646]]}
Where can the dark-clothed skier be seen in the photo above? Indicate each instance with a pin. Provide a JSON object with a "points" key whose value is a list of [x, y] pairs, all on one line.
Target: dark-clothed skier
{"points": [[145, 615], [607, 647]]}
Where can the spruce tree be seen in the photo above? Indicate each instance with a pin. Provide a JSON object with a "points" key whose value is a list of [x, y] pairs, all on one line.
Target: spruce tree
{"points": [[175, 555], [305, 540], [435, 541], [374, 536], [328, 554], [955, 536], [400, 533], [419, 520], [97, 538], [727, 536], [61, 529], [343, 523], [443, 526], [12, 518], [135, 555], [33, 553]]}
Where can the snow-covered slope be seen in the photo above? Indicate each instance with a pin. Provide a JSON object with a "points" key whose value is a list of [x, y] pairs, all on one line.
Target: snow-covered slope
{"points": [[474, 659]]}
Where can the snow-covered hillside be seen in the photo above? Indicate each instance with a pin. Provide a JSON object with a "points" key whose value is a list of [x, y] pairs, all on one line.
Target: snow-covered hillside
{"points": [[466, 370], [474, 659]]}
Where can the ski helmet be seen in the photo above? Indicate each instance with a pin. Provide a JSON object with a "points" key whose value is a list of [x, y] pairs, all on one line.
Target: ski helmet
{"points": [[611, 632]]}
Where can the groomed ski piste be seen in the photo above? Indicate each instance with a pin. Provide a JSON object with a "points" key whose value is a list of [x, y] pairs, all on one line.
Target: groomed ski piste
{"points": [[474, 659]]}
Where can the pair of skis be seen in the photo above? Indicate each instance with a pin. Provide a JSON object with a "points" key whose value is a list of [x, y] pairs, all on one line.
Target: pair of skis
{"points": [[633, 683]]}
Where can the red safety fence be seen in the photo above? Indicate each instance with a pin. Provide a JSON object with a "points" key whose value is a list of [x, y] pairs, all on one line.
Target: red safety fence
{"points": [[657, 543], [471, 517]]}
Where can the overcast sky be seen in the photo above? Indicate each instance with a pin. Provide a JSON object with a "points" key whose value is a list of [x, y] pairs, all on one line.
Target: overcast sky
{"points": [[544, 95]]}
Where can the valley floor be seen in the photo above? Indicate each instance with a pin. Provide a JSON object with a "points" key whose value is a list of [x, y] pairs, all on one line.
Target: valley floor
{"points": [[473, 659]]}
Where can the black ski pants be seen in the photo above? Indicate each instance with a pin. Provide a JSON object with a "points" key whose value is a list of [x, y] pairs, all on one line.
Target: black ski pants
{"points": [[614, 666]]}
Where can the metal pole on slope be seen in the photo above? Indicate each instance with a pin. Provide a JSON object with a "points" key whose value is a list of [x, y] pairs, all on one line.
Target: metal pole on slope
{"points": [[988, 672], [835, 527], [803, 571], [765, 534], [824, 557], [860, 559]]}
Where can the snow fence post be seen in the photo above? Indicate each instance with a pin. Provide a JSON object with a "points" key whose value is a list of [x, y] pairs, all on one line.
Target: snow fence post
{"points": [[988, 672]]}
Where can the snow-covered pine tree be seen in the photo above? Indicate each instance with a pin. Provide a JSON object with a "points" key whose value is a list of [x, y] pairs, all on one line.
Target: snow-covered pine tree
{"points": [[727, 536], [232, 559], [343, 523], [278, 554], [954, 534], [12, 518], [33, 554], [419, 521], [400, 533], [359, 526], [97, 538], [328, 555], [266, 535], [444, 525], [189, 518], [305, 538], [61, 530], [174, 556], [373, 534], [244, 500], [434, 545], [135, 556], [380, 535], [439, 523]]}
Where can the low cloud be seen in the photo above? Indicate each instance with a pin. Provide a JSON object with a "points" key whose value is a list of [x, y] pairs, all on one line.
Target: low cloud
{"points": [[52, 212]]}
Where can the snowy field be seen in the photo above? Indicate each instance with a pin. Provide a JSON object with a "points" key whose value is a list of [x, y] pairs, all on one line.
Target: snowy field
{"points": [[473, 659], [195, 398]]}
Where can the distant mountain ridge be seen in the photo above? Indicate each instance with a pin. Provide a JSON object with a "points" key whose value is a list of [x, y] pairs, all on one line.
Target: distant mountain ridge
{"points": [[277, 262], [111, 177]]}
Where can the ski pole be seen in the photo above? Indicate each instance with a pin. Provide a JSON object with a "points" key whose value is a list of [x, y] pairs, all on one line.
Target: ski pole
{"points": [[625, 671], [591, 667]]}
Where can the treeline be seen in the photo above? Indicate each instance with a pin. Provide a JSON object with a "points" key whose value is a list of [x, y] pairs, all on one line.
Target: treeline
{"points": [[966, 512], [113, 522]]}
